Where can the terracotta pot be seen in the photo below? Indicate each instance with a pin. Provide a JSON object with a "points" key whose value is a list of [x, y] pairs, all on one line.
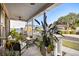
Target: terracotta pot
{"points": [[49, 50], [8, 45]]}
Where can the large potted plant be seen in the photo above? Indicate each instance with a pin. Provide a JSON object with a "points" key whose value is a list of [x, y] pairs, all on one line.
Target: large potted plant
{"points": [[47, 38], [14, 44]]}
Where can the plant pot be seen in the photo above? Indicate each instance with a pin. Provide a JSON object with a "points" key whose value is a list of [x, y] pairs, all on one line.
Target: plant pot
{"points": [[8, 45], [43, 50], [48, 53], [16, 46], [52, 53], [48, 50]]}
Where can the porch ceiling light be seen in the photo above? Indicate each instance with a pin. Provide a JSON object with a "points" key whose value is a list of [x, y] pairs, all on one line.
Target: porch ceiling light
{"points": [[32, 3]]}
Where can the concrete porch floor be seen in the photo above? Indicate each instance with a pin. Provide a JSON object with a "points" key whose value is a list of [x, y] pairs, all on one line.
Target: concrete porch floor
{"points": [[32, 51]]}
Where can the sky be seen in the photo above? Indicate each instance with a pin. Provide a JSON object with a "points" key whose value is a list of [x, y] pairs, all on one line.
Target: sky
{"points": [[53, 14]]}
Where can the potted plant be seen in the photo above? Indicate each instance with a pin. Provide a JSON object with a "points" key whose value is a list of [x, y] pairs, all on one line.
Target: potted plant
{"points": [[47, 38], [14, 44]]}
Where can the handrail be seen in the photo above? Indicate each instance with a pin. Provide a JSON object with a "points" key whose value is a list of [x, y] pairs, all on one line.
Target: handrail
{"points": [[3, 38]]}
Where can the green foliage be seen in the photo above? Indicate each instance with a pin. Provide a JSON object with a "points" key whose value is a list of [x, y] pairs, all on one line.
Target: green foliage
{"points": [[77, 23], [70, 20], [70, 44], [46, 32], [13, 33], [38, 29], [68, 32], [16, 35]]}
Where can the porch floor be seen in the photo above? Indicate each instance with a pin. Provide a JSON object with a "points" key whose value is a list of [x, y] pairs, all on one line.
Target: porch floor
{"points": [[32, 51]]}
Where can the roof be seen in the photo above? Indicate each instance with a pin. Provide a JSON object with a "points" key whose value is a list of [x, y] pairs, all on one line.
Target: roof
{"points": [[26, 11]]}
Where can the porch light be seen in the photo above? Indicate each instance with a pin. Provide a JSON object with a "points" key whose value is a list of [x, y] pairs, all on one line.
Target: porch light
{"points": [[32, 3]]}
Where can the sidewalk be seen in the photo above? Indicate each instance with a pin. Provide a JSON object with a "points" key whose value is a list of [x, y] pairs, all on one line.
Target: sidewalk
{"points": [[72, 35], [70, 52]]}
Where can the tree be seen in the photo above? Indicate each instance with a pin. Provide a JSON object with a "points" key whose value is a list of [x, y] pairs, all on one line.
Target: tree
{"points": [[71, 20]]}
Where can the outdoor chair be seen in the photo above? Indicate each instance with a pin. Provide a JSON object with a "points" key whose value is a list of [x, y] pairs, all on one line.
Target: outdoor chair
{"points": [[29, 41]]}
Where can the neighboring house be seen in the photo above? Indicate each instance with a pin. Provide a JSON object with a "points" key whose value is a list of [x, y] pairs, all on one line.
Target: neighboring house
{"points": [[61, 27]]}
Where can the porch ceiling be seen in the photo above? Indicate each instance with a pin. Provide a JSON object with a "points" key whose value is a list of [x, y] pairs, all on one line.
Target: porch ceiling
{"points": [[25, 10]]}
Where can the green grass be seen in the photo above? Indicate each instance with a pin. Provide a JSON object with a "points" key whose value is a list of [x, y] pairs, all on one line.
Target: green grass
{"points": [[72, 45]]}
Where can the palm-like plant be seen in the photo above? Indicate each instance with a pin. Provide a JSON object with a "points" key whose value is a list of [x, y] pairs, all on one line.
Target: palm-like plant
{"points": [[47, 35]]}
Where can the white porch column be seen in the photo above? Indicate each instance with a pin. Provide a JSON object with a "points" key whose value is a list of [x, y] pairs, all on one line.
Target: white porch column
{"points": [[32, 26], [27, 27], [59, 47], [55, 51]]}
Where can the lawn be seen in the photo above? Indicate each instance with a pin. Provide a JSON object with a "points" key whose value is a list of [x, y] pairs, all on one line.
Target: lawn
{"points": [[70, 44]]}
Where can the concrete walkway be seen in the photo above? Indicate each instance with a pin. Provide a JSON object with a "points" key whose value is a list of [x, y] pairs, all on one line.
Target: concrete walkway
{"points": [[72, 35], [72, 38], [70, 52], [32, 51]]}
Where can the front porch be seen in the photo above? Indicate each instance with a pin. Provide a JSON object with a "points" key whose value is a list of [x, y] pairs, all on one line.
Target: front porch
{"points": [[27, 12], [23, 12]]}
